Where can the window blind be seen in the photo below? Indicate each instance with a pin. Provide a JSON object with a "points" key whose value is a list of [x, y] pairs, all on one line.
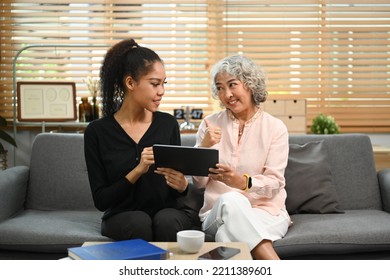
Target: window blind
{"points": [[335, 54], [177, 31]]}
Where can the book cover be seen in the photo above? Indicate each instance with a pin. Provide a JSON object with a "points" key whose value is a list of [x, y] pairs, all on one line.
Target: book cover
{"points": [[133, 249]]}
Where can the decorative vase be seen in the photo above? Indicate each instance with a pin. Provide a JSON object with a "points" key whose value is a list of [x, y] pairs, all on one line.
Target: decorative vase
{"points": [[95, 109], [3, 160], [85, 110]]}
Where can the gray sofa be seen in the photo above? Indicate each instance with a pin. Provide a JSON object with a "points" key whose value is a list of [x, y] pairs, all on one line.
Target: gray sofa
{"points": [[339, 204]]}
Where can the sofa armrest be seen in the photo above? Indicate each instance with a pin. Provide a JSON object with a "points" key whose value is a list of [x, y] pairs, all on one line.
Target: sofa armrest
{"points": [[13, 186], [384, 185]]}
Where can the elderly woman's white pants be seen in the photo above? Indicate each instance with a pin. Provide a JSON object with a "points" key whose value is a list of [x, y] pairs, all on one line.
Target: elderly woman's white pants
{"points": [[233, 219]]}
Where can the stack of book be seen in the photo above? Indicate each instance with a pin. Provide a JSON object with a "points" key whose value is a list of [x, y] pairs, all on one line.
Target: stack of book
{"points": [[133, 249]]}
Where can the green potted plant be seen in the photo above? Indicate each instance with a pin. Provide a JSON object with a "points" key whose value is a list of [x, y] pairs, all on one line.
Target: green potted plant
{"points": [[6, 137], [323, 124]]}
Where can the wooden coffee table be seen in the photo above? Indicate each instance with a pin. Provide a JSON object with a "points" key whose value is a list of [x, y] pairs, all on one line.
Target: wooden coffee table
{"points": [[176, 254]]}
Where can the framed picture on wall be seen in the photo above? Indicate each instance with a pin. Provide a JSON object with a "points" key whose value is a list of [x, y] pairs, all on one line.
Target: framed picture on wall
{"points": [[46, 101]]}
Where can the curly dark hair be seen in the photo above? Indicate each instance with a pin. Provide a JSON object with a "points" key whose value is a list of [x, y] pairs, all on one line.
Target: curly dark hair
{"points": [[123, 59]]}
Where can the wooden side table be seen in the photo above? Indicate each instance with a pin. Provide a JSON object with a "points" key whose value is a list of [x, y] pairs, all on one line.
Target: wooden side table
{"points": [[382, 157]]}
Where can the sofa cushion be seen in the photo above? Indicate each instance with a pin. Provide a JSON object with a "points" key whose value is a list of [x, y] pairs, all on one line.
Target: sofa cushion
{"points": [[50, 231], [58, 174], [352, 165], [355, 231], [309, 183]]}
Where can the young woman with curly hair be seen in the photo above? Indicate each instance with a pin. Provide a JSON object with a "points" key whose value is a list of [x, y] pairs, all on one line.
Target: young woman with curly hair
{"points": [[138, 202]]}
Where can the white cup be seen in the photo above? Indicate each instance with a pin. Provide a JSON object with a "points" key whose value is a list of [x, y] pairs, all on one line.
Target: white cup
{"points": [[190, 241]]}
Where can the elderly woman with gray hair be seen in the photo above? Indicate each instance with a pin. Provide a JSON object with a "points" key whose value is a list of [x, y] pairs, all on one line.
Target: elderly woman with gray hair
{"points": [[244, 199]]}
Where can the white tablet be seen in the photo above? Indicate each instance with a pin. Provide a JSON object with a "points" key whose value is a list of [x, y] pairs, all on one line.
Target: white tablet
{"points": [[194, 161]]}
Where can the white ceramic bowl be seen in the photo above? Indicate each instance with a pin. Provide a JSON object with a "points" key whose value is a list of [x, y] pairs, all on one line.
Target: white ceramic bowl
{"points": [[190, 241]]}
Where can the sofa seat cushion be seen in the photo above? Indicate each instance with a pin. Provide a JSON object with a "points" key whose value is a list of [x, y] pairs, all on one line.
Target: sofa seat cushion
{"points": [[351, 232], [50, 231]]}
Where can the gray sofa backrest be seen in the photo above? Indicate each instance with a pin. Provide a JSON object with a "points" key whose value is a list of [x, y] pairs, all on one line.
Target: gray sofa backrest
{"points": [[353, 168], [61, 155], [352, 165], [58, 174], [188, 139]]}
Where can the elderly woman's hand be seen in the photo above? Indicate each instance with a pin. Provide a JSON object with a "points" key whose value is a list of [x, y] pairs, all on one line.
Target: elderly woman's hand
{"points": [[225, 174], [212, 135]]}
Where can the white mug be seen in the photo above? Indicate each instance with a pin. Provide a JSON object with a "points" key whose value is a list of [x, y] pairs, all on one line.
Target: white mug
{"points": [[190, 241]]}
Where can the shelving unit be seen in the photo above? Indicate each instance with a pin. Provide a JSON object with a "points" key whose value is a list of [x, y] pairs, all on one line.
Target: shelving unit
{"points": [[291, 111]]}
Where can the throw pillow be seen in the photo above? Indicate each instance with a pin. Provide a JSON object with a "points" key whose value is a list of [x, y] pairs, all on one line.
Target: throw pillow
{"points": [[309, 183]]}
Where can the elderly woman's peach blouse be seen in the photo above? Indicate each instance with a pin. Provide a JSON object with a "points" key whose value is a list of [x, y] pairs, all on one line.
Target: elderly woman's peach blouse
{"points": [[262, 152]]}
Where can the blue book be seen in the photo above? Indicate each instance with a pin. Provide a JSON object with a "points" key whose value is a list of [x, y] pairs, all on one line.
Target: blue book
{"points": [[133, 249]]}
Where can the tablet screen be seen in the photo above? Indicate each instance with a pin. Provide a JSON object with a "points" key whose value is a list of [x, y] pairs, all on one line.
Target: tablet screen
{"points": [[193, 161]]}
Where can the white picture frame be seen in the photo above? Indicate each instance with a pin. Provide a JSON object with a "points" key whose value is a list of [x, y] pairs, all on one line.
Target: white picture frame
{"points": [[46, 101]]}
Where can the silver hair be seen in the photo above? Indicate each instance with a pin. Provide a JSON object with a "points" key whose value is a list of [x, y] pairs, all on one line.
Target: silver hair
{"points": [[245, 70]]}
